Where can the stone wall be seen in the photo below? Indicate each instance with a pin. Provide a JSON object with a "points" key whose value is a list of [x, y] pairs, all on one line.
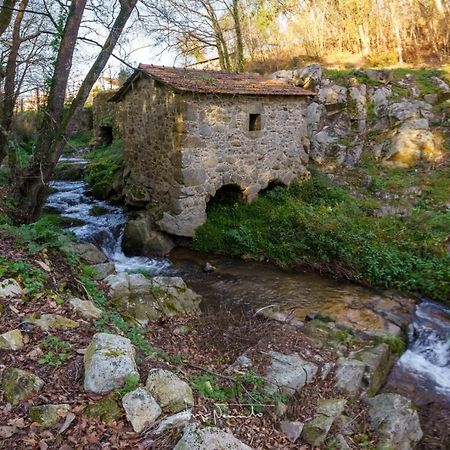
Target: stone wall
{"points": [[104, 115], [181, 149]]}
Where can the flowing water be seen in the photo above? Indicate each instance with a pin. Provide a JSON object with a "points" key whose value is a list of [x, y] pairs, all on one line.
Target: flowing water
{"points": [[423, 371]]}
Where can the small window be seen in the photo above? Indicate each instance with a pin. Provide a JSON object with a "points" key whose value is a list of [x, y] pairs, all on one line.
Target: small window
{"points": [[254, 123]]}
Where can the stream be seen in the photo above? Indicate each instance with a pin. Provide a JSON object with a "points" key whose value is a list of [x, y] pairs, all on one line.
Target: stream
{"points": [[421, 374]]}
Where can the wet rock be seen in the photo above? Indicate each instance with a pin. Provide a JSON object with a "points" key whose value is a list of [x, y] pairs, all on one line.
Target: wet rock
{"points": [[108, 360], [172, 393], [349, 376], [103, 270], [292, 430], [89, 253], [10, 288], [288, 373], [19, 385], [316, 430], [106, 409], [176, 421], [209, 438], [85, 308], [141, 409], [395, 420], [11, 340], [69, 172], [141, 238], [48, 415], [51, 321]]}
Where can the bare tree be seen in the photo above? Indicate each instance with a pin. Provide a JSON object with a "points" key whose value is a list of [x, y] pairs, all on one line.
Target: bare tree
{"points": [[6, 13]]}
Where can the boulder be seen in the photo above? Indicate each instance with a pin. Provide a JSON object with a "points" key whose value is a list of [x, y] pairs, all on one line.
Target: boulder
{"points": [[349, 376], [108, 360], [292, 430], [179, 420], [10, 288], [209, 438], [106, 409], [172, 393], [85, 308], [288, 373], [440, 84], [11, 340], [332, 95], [149, 299], [141, 238], [48, 415], [308, 77], [89, 253], [316, 430], [19, 385], [414, 109], [103, 270], [395, 420], [141, 409], [50, 321]]}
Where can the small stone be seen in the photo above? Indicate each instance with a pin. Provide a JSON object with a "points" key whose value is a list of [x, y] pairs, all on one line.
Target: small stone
{"points": [[11, 340], [178, 420], [292, 430], [141, 409], [48, 415], [85, 308], [103, 270], [51, 321], [342, 443], [18, 385], [10, 288], [209, 268], [106, 409], [172, 393]]}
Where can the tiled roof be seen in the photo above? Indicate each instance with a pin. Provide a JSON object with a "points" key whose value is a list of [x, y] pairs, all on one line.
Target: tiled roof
{"points": [[215, 82]]}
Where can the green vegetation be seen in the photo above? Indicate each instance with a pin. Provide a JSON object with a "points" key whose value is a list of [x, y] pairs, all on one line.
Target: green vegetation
{"points": [[130, 383], [321, 225], [103, 168], [57, 351], [396, 344], [77, 141], [33, 279]]}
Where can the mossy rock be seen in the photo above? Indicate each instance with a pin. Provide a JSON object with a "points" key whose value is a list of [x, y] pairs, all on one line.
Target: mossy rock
{"points": [[48, 415], [98, 211], [102, 190], [107, 409], [19, 385], [69, 172]]}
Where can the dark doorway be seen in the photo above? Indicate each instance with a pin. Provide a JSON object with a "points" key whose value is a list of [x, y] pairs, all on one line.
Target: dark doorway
{"points": [[271, 186], [106, 135], [226, 195]]}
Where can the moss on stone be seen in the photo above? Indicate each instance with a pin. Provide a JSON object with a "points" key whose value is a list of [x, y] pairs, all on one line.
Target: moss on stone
{"points": [[107, 409]]}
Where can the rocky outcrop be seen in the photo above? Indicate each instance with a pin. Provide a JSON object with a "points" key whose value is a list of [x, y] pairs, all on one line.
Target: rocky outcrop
{"points": [[108, 360], [148, 299], [172, 393], [210, 438], [141, 409], [396, 422], [19, 385]]}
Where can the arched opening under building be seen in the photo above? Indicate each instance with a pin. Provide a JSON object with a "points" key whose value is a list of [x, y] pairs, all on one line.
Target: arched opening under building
{"points": [[271, 186], [105, 135], [226, 195]]}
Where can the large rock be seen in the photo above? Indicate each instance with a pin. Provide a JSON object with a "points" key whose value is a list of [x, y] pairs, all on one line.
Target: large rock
{"points": [[414, 109], [48, 415], [89, 253], [332, 95], [85, 308], [288, 373], [349, 376], [19, 385], [103, 270], [51, 321], [316, 430], [210, 438], [141, 238], [11, 340], [396, 422], [10, 288], [308, 77], [149, 299], [141, 409], [108, 360], [172, 393]]}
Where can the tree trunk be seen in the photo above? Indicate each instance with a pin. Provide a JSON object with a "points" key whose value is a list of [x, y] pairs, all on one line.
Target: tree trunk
{"points": [[6, 14], [239, 41], [9, 97]]}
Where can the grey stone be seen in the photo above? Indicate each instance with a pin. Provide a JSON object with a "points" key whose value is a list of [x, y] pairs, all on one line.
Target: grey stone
{"points": [[288, 373], [440, 84], [48, 415], [209, 438], [141, 409], [51, 321], [396, 422], [332, 94], [103, 270], [89, 253], [349, 376], [11, 340], [10, 288], [85, 308], [176, 421], [292, 430], [172, 393], [108, 360], [308, 77], [19, 385], [432, 99]]}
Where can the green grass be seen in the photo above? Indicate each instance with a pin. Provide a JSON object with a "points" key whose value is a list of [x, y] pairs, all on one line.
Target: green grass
{"points": [[321, 225]]}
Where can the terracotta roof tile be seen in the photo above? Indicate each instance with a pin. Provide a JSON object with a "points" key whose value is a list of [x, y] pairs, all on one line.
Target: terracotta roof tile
{"points": [[215, 82]]}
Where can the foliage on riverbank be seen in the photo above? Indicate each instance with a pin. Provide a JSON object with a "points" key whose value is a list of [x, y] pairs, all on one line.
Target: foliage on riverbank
{"points": [[319, 224]]}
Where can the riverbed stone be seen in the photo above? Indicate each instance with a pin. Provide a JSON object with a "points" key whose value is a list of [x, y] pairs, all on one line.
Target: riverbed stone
{"points": [[19, 385], [288, 373], [316, 430], [10, 288], [108, 360], [141, 409], [89, 253], [175, 421], [395, 420], [349, 376], [172, 393], [85, 308], [103, 270], [209, 438], [48, 415], [11, 340], [51, 321]]}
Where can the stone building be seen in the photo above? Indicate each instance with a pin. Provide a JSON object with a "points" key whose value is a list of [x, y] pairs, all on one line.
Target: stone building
{"points": [[189, 134]]}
